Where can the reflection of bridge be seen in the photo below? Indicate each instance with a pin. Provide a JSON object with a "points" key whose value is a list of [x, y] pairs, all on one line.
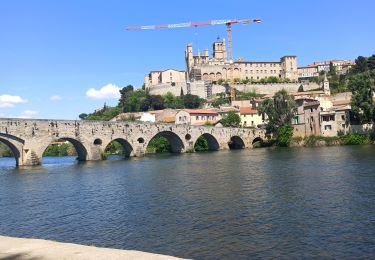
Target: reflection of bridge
{"points": [[28, 138]]}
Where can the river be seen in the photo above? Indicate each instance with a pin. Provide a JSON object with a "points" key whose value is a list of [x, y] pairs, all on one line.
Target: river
{"points": [[268, 203]]}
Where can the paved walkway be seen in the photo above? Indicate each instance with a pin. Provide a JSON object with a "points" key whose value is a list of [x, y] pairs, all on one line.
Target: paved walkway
{"points": [[30, 249]]}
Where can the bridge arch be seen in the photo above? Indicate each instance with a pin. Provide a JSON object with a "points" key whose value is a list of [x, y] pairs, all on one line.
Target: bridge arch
{"points": [[14, 144], [213, 144], [257, 139], [80, 148], [126, 146], [236, 142], [176, 144]]}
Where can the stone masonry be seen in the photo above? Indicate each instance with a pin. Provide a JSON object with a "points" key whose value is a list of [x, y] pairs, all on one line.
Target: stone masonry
{"points": [[29, 138]]}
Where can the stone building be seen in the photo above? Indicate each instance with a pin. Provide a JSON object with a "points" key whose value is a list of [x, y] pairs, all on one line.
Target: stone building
{"points": [[250, 118], [164, 76], [196, 117], [313, 70], [307, 119], [201, 66]]}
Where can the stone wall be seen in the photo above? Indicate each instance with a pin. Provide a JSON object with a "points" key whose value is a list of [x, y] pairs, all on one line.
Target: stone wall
{"points": [[198, 88]]}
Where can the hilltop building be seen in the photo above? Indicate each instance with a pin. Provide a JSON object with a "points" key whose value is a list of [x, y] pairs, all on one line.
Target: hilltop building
{"points": [[170, 76], [201, 66], [313, 70]]}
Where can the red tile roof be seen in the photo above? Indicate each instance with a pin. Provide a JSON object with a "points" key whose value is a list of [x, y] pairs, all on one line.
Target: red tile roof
{"points": [[200, 111], [247, 111]]}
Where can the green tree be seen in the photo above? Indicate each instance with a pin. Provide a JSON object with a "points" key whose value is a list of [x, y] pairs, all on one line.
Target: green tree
{"points": [[284, 135], [83, 116], [332, 69], [362, 87], [300, 89], [125, 92], [192, 101], [360, 65], [371, 62], [231, 119], [280, 110]]}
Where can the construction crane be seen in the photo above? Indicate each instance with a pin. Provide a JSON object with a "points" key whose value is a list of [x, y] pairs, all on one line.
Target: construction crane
{"points": [[228, 24]]}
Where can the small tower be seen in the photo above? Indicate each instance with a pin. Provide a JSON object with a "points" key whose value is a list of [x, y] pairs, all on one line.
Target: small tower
{"points": [[326, 89]]}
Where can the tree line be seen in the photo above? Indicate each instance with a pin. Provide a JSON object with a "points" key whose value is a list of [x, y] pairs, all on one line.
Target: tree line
{"points": [[140, 100]]}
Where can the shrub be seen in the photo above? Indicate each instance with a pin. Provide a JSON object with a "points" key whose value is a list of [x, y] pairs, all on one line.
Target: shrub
{"points": [[284, 135]]}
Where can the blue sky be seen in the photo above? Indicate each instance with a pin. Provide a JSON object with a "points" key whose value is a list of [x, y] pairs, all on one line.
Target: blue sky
{"points": [[53, 52]]}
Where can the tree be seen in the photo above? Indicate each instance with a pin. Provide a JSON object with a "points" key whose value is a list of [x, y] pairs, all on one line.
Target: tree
{"points": [[125, 92], [284, 135], [232, 119], [332, 69], [83, 116], [362, 87], [192, 101], [300, 89], [360, 65], [371, 62], [157, 102], [280, 110]]}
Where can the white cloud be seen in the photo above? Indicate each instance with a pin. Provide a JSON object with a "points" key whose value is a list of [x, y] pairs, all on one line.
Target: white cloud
{"points": [[28, 114], [10, 101], [109, 91], [55, 98]]}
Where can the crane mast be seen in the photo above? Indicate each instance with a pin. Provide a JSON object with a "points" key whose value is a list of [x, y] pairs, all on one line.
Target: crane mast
{"points": [[228, 24]]}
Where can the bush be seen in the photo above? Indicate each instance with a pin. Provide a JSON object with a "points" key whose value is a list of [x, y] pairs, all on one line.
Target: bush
{"points": [[355, 139], [159, 145], [201, 144], [284, 135]]}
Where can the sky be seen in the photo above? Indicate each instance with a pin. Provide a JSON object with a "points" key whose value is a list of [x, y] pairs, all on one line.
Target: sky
{"points": [[62, 58]]}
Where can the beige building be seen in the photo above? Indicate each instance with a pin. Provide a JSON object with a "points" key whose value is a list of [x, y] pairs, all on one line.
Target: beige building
{"points": [[197, 117], [313, 70], [250, 118], [164, 76], [307, 119], [201, 66]]}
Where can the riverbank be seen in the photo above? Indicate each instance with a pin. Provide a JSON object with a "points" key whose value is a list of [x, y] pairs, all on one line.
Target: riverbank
{"points": [[26, 248], [317, 141]]}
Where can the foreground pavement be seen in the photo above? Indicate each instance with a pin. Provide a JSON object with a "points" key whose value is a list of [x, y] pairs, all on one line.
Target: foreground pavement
{"points": [[30, 249]]}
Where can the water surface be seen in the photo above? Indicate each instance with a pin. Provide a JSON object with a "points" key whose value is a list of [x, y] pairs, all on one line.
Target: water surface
{"points": [[269, 203]]}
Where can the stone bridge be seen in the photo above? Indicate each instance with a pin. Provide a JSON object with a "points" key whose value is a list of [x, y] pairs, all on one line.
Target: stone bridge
{"points": [[29, 138]]}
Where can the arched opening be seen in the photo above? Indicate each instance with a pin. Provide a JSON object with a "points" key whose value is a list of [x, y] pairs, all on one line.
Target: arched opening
{"points": [[7, 152], [257, 142], [187, 137], [118, 149], [236, 142], [164, 142], [206, 142], [98, 141], [67, 148], [141, 140]]}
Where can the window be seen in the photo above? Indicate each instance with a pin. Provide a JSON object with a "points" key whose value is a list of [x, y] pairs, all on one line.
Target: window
{"points": [[343, 126], [180, 118], [196, 117], [327, 127], [184, 118], [342, 117]]}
